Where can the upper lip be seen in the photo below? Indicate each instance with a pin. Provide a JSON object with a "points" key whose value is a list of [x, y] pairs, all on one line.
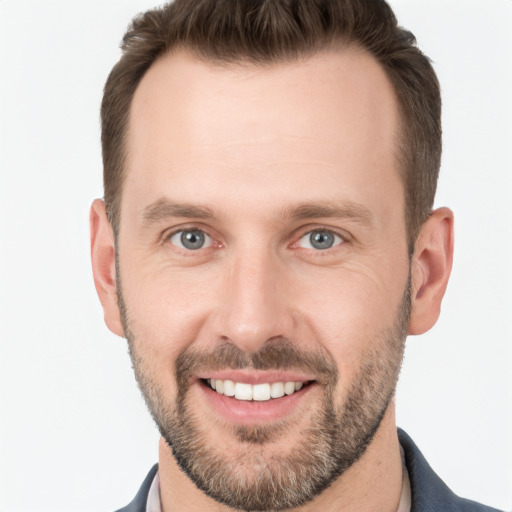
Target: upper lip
{"points": [[251, 376]]}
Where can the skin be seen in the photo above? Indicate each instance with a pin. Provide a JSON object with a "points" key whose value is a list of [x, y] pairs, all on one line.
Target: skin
{"points": [[252, 144]]}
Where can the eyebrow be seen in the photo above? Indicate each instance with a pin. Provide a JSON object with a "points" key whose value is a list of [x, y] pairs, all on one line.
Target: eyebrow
{"points": [[164, 208], [344, 210]]}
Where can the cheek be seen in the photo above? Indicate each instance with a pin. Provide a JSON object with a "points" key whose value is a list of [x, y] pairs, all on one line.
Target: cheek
{"points": [[165, 311], [350, 315]]}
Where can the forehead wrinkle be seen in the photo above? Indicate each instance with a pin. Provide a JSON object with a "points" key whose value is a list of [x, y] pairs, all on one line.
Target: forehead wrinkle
{"points": [[164, 208]]}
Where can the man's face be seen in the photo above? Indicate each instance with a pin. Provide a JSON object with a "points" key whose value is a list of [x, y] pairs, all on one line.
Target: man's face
{"points": [[262, 242]]}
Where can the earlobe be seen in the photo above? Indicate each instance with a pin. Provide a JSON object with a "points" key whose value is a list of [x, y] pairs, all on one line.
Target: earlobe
{"points": [[104, 265], [431, 267]]}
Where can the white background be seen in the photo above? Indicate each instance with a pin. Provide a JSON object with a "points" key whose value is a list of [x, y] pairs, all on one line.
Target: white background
{"points": [[74, 433]]}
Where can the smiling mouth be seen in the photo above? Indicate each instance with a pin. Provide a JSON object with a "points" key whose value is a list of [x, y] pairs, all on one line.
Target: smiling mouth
{"points": [[254, 392]]}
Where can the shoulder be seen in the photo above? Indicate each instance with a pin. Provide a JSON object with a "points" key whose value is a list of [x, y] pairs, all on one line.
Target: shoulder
{"points": [[139, 502], [428, 492]]}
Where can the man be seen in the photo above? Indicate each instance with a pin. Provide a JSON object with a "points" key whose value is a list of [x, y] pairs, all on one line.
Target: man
{"points": [[266, 243]]}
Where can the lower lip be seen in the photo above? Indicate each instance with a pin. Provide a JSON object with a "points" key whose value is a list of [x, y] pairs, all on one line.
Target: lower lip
{"points": [[253, 412]]}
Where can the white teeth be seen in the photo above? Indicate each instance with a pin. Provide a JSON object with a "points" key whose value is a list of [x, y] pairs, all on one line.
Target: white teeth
{"points": [[229, 388], [277, 390], [289, 388], [257, 392], [243, 391], [261, 392]]}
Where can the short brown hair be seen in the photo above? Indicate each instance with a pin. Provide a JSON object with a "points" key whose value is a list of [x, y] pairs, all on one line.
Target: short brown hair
{"points": [[269, 31]]}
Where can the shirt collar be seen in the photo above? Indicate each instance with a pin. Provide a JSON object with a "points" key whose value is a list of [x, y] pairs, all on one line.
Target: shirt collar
{"points": [[153, 504]]}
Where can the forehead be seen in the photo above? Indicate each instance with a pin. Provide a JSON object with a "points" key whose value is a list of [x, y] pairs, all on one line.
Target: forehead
{"points": [[333, 115]]}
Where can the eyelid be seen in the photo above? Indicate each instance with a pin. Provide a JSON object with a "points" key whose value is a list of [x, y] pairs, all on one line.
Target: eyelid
{"points": [[169, 233], [213, 240], [177, 242], [306, 231]]}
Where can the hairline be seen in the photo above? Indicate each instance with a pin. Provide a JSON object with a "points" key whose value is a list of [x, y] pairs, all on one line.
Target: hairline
{"points": [[400, 146]]}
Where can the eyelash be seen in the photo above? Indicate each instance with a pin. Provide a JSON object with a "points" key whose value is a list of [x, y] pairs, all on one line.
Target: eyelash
{"points": [[340, 239], [167, 238]]}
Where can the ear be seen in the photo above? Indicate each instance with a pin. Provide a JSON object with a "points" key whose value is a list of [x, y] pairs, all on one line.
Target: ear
{"points": [[103, 258], [431, 267]]}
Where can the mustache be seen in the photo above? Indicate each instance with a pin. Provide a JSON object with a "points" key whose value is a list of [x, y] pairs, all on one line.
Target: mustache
{"points": [[275, 354]]}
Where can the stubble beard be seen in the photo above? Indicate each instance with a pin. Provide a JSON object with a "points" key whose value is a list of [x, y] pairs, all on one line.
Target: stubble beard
{"points": [[258, 478]]}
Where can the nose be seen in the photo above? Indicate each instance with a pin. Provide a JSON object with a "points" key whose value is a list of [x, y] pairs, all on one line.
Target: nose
{"points": [[255, 306]]}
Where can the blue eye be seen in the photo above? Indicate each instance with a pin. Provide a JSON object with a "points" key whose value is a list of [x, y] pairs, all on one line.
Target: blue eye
{"points": [[320, 240], [191, 239]]}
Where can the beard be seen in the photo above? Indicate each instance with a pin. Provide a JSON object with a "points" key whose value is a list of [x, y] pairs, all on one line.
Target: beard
{"points": [[255, 477]]}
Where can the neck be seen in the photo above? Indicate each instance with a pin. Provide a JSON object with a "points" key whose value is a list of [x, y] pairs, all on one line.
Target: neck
{"points": [[374, 482]]}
